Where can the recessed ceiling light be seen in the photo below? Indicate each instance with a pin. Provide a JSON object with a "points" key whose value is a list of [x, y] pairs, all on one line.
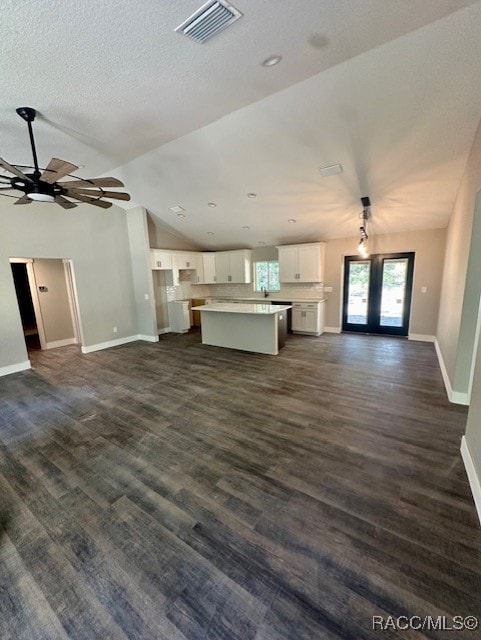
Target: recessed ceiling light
{"points": [[291, 220], [246, 227], [271, 61], [211, 204], [252, 195], [181, 215], [210, 233], [177, 208]]}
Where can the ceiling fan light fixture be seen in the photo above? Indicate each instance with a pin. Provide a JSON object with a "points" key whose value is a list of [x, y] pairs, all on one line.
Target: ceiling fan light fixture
{"points": [[41, 185], [41, 197]]}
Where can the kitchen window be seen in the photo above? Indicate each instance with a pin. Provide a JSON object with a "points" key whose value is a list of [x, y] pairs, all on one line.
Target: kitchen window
{"points": [[267, 276]]}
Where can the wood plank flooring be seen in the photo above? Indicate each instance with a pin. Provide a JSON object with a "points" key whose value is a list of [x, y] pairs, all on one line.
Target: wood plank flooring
{"points": [[176, 491]]}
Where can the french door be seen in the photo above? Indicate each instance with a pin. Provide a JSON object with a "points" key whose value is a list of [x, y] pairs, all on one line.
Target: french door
{"points": [[377, 293]]}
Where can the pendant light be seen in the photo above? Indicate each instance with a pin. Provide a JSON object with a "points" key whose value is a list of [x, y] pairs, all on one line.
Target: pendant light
{"points": [[362, 247]]}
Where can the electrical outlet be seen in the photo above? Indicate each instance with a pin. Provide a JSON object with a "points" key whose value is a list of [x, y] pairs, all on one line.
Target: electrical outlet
{"points": [[146, 296], [115, 329], [328, 289]]}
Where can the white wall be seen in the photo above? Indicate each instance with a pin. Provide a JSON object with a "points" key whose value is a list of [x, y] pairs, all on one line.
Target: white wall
{"points": [[141, 272], [451, 331], [96, 241]]}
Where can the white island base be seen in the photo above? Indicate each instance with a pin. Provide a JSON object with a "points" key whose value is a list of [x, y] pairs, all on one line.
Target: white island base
{"points": [[248, 327]]}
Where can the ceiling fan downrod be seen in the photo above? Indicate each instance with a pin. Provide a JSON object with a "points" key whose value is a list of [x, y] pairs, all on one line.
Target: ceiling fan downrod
{"points": [[28, 114]]}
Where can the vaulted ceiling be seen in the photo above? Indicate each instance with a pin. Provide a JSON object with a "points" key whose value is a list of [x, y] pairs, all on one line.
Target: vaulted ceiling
{"points": [[388, 89]]}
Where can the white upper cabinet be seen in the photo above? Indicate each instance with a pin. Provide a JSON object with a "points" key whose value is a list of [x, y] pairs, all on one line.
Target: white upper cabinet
{"points": [[233, 266], [185, 260], [222, 266], [206, 271], [302, 262], [160, 259]]}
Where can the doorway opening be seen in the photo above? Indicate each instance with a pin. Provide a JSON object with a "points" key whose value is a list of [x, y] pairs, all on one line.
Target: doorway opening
{"points": [[377, 293], [25, 305], [47, 302]]}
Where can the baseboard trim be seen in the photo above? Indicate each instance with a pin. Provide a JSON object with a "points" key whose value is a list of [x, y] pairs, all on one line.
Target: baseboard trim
{"points": [[332, 329], [420, 337], [15, 368], [444, 373], [148, 338], [459, 398], [164, 330], [456, 397], [60, 343], [116, 343], [473, 477], [111, 343]]}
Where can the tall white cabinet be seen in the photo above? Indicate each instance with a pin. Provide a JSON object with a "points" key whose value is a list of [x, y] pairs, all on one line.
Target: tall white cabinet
{"points": [[302, 262]]}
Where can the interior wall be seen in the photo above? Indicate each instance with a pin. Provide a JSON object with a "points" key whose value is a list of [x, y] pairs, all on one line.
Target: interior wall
{"points": [[53, 302], [96, 241], [261, 254], [469, 313], [473, 427], [160, 237], [141, 271], [458, 243], [428, 246]]}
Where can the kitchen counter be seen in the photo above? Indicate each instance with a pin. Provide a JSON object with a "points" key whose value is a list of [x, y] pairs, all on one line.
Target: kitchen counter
{"points": [[260, 328], [265, 309], [268, 300]]}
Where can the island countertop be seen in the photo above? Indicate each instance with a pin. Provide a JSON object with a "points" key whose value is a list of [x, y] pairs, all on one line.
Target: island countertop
{"points": [[261, 309]]}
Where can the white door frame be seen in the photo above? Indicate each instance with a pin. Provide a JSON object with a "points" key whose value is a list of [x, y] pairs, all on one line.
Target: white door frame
{"points": [[73, 299]]}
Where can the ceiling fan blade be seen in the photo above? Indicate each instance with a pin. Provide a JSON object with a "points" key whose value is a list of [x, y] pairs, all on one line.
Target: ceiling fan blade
{"points": [[95, 201], [92, 182], [102, 194], [57, 169], [14, 170], [63, 202], [23, 200]]}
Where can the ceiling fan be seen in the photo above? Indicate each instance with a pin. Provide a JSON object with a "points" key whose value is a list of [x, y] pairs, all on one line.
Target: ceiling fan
{"points": [[42, 185]]}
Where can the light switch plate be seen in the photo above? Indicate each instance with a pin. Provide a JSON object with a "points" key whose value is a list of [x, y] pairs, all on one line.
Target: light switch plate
{"points": [[328, 289]]}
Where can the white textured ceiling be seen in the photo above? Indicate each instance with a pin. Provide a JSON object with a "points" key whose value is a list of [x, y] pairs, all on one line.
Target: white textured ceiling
{"points": [[390, 89]]}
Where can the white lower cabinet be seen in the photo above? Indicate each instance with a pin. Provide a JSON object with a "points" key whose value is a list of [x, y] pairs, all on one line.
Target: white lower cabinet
{"points": [[179, 316], [308, 317]]}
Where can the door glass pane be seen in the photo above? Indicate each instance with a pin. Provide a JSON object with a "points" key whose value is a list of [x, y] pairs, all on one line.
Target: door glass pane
{"points": [[393, 292], [358, 292]]}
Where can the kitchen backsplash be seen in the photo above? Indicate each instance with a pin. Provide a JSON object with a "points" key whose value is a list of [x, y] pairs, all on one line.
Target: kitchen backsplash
{"points": [[185, 290]]}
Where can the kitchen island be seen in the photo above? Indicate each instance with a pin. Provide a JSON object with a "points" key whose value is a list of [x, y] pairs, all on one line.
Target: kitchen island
{"points": [[249, 327]]}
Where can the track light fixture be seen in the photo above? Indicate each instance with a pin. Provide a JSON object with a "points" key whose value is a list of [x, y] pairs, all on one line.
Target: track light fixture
{"points": [[363, 237]]}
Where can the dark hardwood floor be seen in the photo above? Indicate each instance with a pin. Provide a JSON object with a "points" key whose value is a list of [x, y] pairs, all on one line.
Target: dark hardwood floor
{"points": [[177, 491]]}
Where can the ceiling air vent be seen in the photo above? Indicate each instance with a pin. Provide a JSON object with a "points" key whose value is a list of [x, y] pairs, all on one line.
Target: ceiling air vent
{"points": [[209, 20]]}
